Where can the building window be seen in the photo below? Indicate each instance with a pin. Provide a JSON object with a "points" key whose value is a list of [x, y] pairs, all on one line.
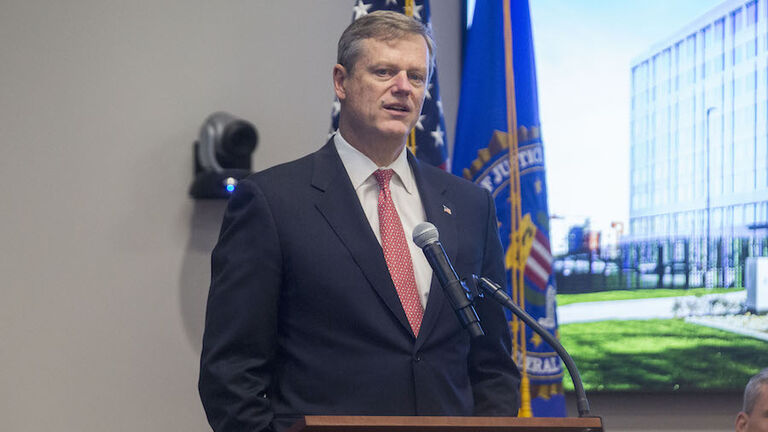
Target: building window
{"points": [[708, 46], [752, 212], [719, 45], [738, 53], [736, 24], [751, 13], [690, 60], [760, 212], [719, 27], [751, 47], [717, 218]]}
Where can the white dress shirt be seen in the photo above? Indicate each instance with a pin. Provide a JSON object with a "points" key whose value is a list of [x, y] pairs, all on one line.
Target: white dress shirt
{"points": [[405, 195]]}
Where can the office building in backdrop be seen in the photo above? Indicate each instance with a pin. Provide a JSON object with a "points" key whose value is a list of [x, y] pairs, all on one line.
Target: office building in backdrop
{"points": [[699, 134]]}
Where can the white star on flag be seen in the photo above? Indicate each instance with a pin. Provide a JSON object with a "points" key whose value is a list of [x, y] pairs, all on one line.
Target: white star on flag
{"points": [[428, 95], [417, 12], [336, 107], [360, 9], [438, 135], [394, 2], [420, 126]]}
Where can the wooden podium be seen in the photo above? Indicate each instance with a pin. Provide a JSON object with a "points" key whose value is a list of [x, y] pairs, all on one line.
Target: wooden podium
{"points": [[445, 424]]}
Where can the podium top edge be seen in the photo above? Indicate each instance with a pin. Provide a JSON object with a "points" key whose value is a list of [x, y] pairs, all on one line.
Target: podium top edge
{"points": [[322, 423]]}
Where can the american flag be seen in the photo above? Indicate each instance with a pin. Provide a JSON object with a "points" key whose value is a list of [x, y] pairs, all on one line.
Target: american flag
{"points": [[431, 142], [538, 267]]}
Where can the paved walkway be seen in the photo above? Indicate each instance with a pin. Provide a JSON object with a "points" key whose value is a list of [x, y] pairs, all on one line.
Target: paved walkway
{"points": [[755, 326], [640, 309]]}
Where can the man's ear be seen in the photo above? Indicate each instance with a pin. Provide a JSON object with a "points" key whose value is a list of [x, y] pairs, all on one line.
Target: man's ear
{"points": [[741, 422], [340, 74]]}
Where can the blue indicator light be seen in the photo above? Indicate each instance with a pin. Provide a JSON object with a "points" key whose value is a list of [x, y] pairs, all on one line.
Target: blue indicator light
{"points": [[230, 184]]}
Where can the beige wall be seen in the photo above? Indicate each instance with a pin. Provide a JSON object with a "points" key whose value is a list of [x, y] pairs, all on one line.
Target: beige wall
{"points": [[104, 258]]}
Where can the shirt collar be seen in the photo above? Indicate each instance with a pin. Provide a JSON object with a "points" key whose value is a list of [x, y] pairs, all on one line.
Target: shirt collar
{"points": [[359, 167]]}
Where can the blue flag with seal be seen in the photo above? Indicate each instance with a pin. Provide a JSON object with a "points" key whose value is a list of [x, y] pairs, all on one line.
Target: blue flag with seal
{"points": [[498, 146], [427, 141]]}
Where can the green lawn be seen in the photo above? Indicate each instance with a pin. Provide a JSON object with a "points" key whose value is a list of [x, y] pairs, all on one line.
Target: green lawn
{"points": [[565, 299], [660, 355]]}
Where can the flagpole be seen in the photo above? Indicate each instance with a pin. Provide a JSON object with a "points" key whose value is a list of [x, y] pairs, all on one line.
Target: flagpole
{"points": [[518, 281]]}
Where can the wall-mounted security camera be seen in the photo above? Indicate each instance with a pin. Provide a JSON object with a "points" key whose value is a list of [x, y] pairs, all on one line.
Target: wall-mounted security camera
{"points": [[222, 155]]}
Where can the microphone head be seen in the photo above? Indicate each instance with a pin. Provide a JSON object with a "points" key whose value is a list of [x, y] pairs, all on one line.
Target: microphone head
{"points": [[425, 233]]}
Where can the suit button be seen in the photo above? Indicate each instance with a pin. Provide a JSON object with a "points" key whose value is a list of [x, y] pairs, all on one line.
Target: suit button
{"points": [[417, 358]]}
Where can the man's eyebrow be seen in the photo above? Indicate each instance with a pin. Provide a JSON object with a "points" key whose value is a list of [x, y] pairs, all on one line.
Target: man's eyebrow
{"points": [[383, 64], [392, 65]]}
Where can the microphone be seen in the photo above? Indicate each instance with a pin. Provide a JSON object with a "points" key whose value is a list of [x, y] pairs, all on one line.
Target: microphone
{"points": [[426, 237], [502, 297]]}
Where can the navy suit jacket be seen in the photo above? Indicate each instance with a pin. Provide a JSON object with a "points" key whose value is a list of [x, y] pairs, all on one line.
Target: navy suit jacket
{"points": [[303, 318]]}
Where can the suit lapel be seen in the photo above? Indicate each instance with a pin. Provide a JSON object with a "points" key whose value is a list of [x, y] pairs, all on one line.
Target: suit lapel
{"points": [[437, 206], [341, 208]]}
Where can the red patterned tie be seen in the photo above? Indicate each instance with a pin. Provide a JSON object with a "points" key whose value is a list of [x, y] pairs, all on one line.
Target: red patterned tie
{"points": [[396, 252]]}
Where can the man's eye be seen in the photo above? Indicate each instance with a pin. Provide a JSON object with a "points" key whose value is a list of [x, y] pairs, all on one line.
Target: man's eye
{"points": [[417, 79], [381, 72]]}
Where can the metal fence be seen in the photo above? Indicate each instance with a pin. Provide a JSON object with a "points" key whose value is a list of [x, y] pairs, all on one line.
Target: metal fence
{"points": [[667, 263]]}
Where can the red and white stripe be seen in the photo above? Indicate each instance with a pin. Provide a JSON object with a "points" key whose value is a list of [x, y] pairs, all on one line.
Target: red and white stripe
{"points": [[538, 267]]}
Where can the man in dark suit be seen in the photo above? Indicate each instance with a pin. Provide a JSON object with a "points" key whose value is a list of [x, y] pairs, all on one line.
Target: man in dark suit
{"points": [[320, 303]]}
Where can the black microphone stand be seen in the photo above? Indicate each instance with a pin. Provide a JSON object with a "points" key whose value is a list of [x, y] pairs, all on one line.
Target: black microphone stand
{"points": [[498, 294]]}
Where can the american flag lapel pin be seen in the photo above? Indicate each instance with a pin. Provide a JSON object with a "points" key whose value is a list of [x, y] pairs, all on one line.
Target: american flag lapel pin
{"points": [[446, 209]]}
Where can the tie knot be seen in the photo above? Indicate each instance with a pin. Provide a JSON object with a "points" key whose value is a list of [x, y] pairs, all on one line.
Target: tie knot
{"points": [[383, 176]]}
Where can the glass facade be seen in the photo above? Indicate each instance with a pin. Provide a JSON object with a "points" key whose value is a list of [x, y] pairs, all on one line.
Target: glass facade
{"points": [[699, 129]]}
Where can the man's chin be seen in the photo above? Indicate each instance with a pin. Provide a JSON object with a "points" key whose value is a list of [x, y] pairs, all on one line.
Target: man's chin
{"points": [[394, 131]]}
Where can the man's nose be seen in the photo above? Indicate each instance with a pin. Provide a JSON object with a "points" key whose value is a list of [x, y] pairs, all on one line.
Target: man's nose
{"points": [[401, 83]]}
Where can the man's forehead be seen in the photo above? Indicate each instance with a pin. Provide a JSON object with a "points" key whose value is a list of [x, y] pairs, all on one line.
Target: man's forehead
{"points": [[375, 48], [393, 40], [762, 392]]}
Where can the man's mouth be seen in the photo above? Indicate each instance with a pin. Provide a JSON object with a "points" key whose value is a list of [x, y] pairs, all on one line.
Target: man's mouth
{"points": [[397, 107]]}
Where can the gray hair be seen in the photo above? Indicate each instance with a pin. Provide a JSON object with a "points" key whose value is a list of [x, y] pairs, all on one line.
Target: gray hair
{"points": [[753, 388], [383, 26]]}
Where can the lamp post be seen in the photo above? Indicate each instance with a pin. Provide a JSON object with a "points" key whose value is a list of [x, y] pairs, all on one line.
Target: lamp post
{"points": [[709, 209]]}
